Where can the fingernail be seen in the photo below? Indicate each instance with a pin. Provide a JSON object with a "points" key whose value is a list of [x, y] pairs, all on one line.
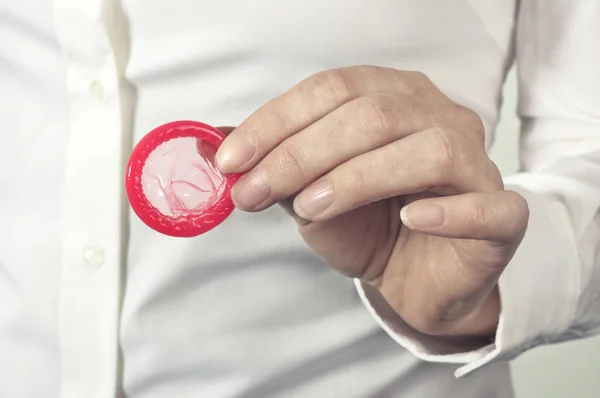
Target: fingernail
{"points": [[235, 152], [314, 200], [251, 190], [422, 215]]}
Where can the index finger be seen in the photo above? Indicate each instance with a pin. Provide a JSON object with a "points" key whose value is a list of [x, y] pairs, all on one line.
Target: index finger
{"points": [[298, 108]]}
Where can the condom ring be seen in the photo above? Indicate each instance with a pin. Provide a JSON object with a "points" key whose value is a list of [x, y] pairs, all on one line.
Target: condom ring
{"points": [[172, 182]]}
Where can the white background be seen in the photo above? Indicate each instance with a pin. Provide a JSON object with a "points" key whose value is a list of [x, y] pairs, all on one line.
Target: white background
{"points": [[568, 370]]}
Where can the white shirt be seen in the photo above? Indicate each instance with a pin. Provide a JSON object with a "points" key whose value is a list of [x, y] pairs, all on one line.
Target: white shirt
{"points": [[94, 304]]}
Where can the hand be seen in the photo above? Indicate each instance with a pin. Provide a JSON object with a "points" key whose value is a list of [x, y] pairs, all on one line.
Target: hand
{"points": [[390, 183]]}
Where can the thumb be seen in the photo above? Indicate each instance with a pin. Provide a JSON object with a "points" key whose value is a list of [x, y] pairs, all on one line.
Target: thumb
{"points": [[206, 150], [486, 229], [499, 216]]}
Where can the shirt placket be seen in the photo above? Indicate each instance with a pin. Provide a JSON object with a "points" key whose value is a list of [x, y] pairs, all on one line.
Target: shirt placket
{"points": [[93, 233]]}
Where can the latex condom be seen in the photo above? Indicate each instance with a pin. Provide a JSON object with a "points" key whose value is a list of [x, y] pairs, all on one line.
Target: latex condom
{"points": [[172, 183]]}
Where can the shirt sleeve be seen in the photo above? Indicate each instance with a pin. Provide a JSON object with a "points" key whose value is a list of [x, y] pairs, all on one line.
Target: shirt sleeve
{"points": [[550, 291]]}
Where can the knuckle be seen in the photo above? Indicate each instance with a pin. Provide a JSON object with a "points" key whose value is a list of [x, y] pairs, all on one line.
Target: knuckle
{"points": [[444, 148], [495, 180], [417, 84], [290, 159], [391, 164], [471, 123], [521, 212], [418, 78], [367, 70], [479, 214], [413, 79], [444, 153], [334, 83], [506, 211], [354, 178], [374, 113], [283, 120]]}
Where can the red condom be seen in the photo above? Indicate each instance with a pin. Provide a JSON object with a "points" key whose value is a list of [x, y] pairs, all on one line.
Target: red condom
{"points": [[172, 183]]}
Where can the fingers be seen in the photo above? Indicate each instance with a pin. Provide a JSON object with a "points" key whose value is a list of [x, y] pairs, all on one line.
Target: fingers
{"points": [[419, 162], [498, 216], [431, 158], [357, 127], [208, 151], [303, 105]]}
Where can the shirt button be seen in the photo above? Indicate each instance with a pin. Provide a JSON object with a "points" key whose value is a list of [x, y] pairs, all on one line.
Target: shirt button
{"points": [[97, 90], [94, 256]]}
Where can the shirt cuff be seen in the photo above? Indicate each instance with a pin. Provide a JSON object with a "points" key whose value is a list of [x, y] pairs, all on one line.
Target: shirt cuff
{"points": [[539, 292]]}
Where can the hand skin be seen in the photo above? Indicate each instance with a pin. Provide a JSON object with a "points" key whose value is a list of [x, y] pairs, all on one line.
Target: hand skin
{"points": [[389, 182]]}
